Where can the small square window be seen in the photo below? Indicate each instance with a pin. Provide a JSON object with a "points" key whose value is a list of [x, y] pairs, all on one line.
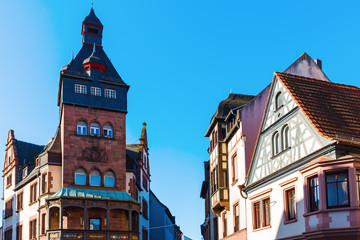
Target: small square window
{"points": [[95, 91], [95, 224], [110, 93], [80, 89]]}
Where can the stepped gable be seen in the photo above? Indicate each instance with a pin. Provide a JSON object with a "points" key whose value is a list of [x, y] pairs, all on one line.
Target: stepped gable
{"points": [[333, 109]]}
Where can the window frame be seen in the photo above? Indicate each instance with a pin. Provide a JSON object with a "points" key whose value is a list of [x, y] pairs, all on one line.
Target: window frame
{"points": [[285, 137], [312, 208], [95, 218], [44, 183], [108, 128], [224, 222], [236, 216], [20, 201], [234, 168], [276, 143], [337, 193], [84, 173], [290, 200], [110, 93], [99, 178], [83, 128], [95, 91], [113, 176], [279, 101], [95, 129], [80, 88]]}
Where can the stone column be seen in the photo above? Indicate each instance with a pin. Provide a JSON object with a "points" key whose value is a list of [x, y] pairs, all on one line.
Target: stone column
{"points": [[107, 219], [130, 220], [61, 217]]}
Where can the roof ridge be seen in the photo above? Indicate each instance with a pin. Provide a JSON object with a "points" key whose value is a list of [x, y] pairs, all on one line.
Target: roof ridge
{"points": [[319, 81]]}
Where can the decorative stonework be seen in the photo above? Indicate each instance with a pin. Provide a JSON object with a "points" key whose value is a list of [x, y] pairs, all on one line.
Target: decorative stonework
{"points": [[94, 154]]}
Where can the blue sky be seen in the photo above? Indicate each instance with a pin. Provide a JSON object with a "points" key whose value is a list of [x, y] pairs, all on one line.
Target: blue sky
{"points": [[181, 58]]}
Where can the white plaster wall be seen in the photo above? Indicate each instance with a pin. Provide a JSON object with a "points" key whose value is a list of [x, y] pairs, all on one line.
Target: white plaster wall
{"points": [[278, 228], [303, 141], [289, 104], [8, 193]]}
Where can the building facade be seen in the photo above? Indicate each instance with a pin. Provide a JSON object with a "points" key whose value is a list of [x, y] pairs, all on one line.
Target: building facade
{"points": [[304, 179], [76, 186]]}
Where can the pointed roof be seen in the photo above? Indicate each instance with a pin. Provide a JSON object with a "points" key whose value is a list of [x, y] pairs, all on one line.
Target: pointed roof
{"points": [[333, 109], [305, 66], [143, 137], [225, 106], [92, 18]]}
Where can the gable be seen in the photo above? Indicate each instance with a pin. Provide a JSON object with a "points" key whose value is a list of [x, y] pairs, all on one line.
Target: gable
{"points": [[303, 139]]}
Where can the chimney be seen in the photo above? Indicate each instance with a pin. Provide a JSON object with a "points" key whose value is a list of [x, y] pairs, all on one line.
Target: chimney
{"points": [[319, 63]]}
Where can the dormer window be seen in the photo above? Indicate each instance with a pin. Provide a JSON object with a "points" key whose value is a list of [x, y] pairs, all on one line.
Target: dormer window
{"points": [[108, 131], [81, 128], [79, 88], [95, 91], [25, 172], [110, 93], [95, 129], [278, 100]]}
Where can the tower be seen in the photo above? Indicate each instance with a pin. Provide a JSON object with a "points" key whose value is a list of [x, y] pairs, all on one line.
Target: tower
{"points": [[93, 104]]}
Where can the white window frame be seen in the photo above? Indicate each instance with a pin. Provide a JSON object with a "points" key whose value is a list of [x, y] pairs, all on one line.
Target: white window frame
{"points": [[79, 88], [95, 91], [110, 93]]}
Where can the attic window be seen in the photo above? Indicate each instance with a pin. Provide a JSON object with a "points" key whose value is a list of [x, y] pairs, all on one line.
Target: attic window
{"points": [[25, 172], [278, 100], [93, 30]]}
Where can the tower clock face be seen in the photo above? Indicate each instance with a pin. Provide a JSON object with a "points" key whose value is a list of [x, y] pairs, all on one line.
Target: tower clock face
{"points": [[94, 154]]}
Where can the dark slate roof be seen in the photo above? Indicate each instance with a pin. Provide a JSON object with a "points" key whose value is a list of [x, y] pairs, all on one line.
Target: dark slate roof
{"points": [[92, 194], [94, 58], [333, 109], [225, 106], [27, 152], [92, 18], [76, 67], [132, 154]]}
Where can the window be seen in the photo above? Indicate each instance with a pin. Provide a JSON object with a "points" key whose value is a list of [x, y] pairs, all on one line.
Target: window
{"points": [[278, 100], [234, 169], [8, 234], [108, 131], [19, 232], [290, 204], [276, 143], [81, 128], [266, 207], [9, 180], [314, 193], [109, 93], [19, 202], [358, 184], [32, 229], [80, 89], [236, 217], [145, 182], [144, 208], [224, 224], [95, 223], [9, 208], [95, 91], [261, 211], [25, 172], [337, 189], [95, 129], [95, 178], [93, 30], [43, 222], [44, 185], [33, 193], [285, 137], [80, 177], [109, 179]]}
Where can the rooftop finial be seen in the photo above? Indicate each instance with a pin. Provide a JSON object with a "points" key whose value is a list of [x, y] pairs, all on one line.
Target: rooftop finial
{"points": [[72, 55], [230, 91], [94, 48], [92, 5]]}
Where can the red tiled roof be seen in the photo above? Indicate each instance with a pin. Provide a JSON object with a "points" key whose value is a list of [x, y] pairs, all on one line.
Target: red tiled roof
{"points": [[333, 109]]}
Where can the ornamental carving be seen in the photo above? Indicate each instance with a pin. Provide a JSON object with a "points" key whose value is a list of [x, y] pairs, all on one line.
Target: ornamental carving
{"points": [[94, 154]]}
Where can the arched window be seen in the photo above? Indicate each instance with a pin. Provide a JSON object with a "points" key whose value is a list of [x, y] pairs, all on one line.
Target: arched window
{"points": [[109, 179], [95, 129], [108, 131], [278, 100], [285, 136], [95, 178], [80, 176], [81, 128], [276, 143]]}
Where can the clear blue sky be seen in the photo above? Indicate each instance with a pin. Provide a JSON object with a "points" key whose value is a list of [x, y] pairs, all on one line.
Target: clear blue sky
{"points": [[181, 58]]}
